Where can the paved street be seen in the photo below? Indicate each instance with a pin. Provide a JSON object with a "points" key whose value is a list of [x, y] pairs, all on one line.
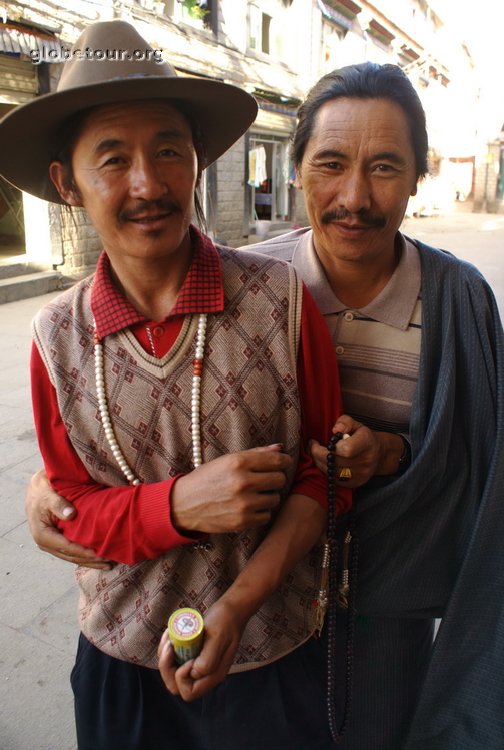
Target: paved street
{"points": [[38, 628], [478, 238], [37, 620]]}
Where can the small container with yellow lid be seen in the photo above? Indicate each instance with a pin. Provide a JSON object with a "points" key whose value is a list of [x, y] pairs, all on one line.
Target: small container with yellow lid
{"points": [[185, 631]]}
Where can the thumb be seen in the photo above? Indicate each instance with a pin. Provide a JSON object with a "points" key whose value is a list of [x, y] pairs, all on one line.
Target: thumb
{"points": [[62, 509], [346, 424]]}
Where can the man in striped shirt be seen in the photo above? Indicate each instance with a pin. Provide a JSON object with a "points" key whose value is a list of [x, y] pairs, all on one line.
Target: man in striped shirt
{"points": [[420, 351]]}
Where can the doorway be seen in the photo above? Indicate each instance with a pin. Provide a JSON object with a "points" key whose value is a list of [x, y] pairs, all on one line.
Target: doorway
{"points": [[269, 179], [12, 235]]}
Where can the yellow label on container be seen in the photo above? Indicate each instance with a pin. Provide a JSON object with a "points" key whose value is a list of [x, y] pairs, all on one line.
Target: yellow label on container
{"points": [[185, 630]]}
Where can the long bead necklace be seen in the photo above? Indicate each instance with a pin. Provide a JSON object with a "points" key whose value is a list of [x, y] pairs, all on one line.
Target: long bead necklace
{"points": [[334, 598], [195, 401]]}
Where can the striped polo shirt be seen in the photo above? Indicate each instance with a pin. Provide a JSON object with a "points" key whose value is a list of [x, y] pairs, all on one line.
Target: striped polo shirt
{"points": [[378, 346]]}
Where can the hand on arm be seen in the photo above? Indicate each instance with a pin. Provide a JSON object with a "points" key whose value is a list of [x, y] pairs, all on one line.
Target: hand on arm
{"points": [[130, 524], [297, 528], [366, 452], [231, 493], [43, 508]]}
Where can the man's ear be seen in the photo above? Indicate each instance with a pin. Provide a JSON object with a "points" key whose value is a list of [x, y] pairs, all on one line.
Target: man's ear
{"points": [[298, 182], [63, 183], [420, 179]]}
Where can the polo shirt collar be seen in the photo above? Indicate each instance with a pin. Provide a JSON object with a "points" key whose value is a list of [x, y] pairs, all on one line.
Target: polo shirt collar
{"points": [[201, 292], [393, 306]]}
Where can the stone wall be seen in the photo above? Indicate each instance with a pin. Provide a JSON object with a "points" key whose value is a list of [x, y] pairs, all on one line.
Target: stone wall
{"points": [[75, 240], [231, 225]]}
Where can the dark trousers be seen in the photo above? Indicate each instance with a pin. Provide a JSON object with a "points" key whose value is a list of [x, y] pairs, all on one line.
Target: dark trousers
{"points": [[120, 706], [281, 706], [390, 660]]}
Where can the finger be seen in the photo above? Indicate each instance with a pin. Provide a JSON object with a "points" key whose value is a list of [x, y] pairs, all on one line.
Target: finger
{"points": [[262, 502], [275, 447], [61, 508], [53, 541], [319, 455], [185, 683], [253, 517], [167, 667], [96, 563], [266, 481], [192, 686], [210, 658], [346, 425], [265, 459], [257, 484], [194, 689], [263, 515]]}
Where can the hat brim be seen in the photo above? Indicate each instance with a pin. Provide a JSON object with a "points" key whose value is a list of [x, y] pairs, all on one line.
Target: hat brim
{"points": [[222, 112]]}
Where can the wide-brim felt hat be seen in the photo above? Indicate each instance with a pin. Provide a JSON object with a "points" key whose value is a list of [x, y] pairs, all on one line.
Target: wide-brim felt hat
{"points": [[222, 112]]}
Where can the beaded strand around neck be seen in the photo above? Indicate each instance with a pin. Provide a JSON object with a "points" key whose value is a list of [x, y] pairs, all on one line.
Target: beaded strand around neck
{"points": [[106, 421]]}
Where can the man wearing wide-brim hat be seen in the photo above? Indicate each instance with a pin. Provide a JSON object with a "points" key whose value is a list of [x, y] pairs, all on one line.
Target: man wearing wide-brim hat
{"points": [[168, 394]]}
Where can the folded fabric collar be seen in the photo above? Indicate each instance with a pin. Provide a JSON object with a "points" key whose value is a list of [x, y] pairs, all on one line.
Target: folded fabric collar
{"points": [[202, 290], [393, 306]]}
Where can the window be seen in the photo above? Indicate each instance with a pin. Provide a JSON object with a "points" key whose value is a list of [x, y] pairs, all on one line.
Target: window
{"points": [[195, 12], [264, 31], [332, 36], [198, 13], [255, 27]]}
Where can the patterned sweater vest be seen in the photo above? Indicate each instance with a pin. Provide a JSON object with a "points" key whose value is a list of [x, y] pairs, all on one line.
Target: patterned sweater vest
{"points": [[249, 398]]}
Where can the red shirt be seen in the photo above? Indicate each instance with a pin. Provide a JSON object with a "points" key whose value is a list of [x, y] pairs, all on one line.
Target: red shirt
{"points": [[130, 524]]}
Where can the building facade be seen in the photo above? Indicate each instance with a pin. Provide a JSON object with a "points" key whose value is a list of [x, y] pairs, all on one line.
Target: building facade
{"points": [[275, 49]]}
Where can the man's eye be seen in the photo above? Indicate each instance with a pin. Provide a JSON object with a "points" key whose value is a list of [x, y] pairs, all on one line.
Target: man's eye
{"points": [[112, 161]]}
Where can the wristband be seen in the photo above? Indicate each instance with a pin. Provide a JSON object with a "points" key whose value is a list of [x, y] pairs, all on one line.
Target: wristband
{"points": [[405, 457]]}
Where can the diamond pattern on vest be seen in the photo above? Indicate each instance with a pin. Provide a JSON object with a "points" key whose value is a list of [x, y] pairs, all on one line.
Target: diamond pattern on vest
{"points": [[251, 349]]}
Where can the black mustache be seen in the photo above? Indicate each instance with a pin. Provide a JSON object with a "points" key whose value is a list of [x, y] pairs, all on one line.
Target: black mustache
{"points": [[364, 218], [162, 205]]}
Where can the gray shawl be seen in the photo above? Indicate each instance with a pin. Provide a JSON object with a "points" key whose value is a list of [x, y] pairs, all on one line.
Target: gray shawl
{"points": [[431, 541], [458, 440]]}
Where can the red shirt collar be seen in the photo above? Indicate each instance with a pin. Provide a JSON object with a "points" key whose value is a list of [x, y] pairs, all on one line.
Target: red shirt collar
{"points": [[202, 290]]}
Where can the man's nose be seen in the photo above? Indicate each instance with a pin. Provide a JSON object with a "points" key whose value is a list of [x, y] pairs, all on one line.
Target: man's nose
{"points": [[146, 179], [354, 192]]}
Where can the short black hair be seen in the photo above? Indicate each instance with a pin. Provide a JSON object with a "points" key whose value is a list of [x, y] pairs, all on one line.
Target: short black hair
{"points": [[366, 80]]}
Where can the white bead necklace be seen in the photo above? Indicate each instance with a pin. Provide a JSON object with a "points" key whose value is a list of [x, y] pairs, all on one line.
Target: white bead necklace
{"points": [[195, 401]]}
